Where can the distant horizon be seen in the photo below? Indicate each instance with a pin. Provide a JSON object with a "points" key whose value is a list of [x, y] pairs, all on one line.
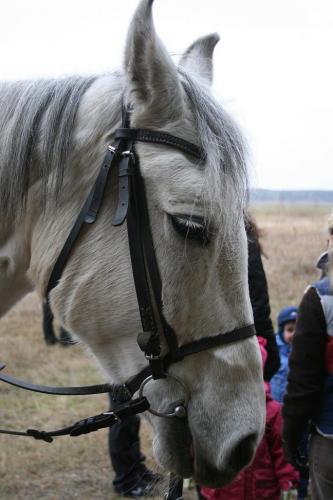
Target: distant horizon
{"points": [[291, 196], [252, 188]]}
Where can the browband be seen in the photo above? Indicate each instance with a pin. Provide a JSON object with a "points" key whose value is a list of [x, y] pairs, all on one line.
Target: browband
{"points": [[155, 136]]}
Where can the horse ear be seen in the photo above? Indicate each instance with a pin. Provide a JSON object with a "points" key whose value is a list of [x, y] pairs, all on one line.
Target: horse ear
{"points": [[198, 59], [152, 76]]}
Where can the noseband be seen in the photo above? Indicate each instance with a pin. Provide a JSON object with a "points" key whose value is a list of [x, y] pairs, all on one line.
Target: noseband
{"points": [[132, 207]]}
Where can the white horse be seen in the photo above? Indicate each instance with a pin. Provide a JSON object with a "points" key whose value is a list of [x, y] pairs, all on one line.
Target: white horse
{"points": [[54, 134]]}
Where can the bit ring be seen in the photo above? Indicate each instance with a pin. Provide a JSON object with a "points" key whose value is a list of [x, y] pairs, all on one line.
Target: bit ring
{"points": [[179, 409]]}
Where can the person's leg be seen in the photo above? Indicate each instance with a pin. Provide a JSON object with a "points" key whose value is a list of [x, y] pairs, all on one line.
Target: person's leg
{"points": [[125, 453], [302, 490], [131, 475], [321, 467]]}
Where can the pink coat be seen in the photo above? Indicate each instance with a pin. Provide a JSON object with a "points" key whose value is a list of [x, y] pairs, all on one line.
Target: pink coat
{"points": [[269, 473]]}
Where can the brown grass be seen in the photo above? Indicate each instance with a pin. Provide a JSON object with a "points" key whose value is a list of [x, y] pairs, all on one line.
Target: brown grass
{"points": [[293, 238], [73, 468]]}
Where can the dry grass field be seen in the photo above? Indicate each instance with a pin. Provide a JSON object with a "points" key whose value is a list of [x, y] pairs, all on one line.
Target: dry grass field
{"points": [[73, 468], [292, 240]]}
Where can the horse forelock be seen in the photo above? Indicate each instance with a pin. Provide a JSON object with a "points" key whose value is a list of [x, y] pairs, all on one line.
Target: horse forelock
{"points": [[218, 135]]}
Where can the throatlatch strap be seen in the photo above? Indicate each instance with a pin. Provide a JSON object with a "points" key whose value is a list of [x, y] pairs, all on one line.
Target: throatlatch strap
{"points": [[90, 208], [87, 215]]}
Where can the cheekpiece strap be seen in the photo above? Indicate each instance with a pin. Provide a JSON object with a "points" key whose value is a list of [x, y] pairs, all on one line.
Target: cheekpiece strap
{"points": [[87, 215]]}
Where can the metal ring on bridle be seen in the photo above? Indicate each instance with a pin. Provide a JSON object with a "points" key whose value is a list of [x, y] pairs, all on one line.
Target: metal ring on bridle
{"points": [[179, 409]]}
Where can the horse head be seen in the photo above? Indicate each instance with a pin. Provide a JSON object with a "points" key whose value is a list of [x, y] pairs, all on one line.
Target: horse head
{"points": [[195, 208]]}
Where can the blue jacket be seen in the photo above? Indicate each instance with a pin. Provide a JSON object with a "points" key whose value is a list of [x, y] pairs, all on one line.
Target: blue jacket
{"points": [[279, 381]]}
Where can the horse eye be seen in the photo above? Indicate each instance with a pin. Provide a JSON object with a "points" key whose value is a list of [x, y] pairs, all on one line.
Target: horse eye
{"points": [[191, 226]]}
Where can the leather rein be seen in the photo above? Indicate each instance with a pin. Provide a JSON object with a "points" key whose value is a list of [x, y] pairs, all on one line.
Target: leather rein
{"points": [[132, 207]]}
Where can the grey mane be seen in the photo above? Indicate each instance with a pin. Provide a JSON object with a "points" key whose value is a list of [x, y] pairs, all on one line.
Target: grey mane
{"points": [[225, 147], [37, 120], [32, 113]]}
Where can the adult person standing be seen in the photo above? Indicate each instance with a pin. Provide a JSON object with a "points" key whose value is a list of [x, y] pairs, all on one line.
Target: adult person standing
{"points": [[260, 298], [286, 321], [309, 396]]}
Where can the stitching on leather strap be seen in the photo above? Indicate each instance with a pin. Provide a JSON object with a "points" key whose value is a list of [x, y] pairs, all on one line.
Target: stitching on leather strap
{"points": [[154, 136]]}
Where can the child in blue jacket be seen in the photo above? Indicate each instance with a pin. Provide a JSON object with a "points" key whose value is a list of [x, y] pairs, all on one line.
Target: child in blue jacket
{"points": [[286, 328]]}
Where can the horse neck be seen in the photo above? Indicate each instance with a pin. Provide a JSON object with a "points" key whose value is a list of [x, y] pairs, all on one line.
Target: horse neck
{"points": [[30, 243]]}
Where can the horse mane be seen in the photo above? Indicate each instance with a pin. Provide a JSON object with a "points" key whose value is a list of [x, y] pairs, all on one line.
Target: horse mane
{"points": [[37, 118], [39, 112], [227, 153]]}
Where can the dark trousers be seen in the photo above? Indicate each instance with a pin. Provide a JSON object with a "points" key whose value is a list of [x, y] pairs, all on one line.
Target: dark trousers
{"points": [[126, 457], [321, 467], [302, 490]]}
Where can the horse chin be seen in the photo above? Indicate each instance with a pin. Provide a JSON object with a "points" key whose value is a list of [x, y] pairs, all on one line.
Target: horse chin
{"points": [[172, 447]]}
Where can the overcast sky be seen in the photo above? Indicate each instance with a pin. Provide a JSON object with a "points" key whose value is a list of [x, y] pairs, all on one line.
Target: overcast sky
{"points": [[273, 66]]}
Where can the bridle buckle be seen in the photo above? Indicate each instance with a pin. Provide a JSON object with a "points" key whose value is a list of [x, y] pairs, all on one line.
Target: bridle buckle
{"points": [[124, 154], [127, 154], [151, 357], [113, 414]]}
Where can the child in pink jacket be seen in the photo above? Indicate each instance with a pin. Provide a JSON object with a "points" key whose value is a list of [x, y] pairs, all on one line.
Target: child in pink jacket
{"points": [[269, 474]]}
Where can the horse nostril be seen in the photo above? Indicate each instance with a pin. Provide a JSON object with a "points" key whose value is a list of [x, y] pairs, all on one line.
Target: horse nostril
{"points": [[243, 452]]}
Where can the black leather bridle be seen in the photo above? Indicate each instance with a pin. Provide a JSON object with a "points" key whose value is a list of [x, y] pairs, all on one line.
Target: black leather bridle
{"points": [[132, 207]]}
